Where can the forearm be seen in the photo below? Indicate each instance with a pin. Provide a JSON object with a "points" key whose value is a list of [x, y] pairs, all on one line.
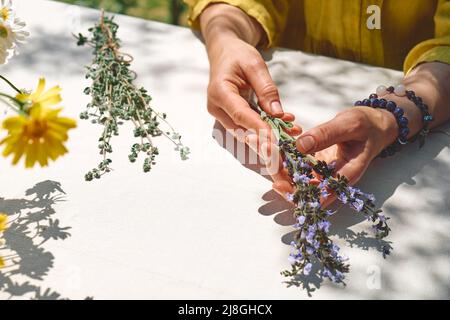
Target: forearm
{"points": [[222, 20], [431, 82]]}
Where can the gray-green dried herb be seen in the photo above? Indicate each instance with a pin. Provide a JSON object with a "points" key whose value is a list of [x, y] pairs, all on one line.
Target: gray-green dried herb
{"points": [[116, 100]]}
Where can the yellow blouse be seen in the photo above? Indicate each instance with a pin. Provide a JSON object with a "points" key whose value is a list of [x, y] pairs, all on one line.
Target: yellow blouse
{"points": [[411, 31]]}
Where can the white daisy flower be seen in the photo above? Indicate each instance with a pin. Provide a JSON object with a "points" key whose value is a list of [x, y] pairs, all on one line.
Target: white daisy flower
{"points": [[6, 11], [11, 32]]}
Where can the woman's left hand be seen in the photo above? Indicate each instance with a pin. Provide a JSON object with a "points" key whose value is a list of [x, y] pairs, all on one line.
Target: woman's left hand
{"points": [[351, 140]]}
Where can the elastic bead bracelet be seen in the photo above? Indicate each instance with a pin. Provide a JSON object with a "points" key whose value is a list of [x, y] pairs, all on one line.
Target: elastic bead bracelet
{"points": [[402, 122], [401, 91]]}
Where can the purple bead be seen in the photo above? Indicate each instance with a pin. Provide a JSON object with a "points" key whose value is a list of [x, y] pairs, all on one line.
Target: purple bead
{"points": [[358, 103], [366, 102], [391, 105], [383, 103], [373, 96], [404, 132], [410, 94], [403, 122], [398, 112], [390, 89], [375, 103]]}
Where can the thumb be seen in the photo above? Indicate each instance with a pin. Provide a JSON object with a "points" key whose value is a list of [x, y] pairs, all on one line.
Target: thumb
{"points": [[323, 136]]}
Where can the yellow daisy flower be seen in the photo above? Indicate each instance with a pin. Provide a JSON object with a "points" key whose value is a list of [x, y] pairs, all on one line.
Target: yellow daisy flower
{"points": [[2, 262], [40, 134]]}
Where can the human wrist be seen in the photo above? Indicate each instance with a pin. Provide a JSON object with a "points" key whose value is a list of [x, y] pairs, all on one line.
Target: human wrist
{"points": [[410, 112], [221, 21]]}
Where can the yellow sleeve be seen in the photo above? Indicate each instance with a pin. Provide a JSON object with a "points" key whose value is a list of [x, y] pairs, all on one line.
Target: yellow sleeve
{"points": [[437, 49], [272, 15]]}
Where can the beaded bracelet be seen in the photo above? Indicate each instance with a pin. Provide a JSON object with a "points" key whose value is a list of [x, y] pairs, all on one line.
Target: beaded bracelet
{"points": [[402, 122], [401, 91]]}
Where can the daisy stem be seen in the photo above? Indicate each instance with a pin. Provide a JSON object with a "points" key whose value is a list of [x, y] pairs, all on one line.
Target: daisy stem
{"points": [[20, 104], [10, 84]]}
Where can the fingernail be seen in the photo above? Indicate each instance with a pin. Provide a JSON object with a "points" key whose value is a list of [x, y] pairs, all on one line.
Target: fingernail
{"points": [[306, 143], [252, 142], [276, 107]]}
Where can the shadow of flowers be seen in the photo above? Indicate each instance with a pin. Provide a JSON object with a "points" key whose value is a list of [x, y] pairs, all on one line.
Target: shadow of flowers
{"points": [[31, 223]]}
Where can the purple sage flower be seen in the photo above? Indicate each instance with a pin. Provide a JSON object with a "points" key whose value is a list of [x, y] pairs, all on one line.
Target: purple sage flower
{"points": [[324, 225], [301, 220], [290, 197], [343, 198], [307, 269], [358, 205]]}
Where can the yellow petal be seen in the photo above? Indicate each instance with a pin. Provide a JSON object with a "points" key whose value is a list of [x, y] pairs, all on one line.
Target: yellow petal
{"points": [[12, 123], [66, 122], [20, 149], [50, 101], [55, 91], [35, 111], [41, 85], [30, 155], [42, 155], [10, 147]]}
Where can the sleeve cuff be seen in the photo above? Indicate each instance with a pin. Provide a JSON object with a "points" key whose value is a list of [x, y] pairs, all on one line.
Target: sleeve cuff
{"points": [[435, 50], [251, 7]]}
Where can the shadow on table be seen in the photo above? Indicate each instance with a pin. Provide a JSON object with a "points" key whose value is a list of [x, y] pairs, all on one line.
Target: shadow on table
{"points": [[380, 179], [30, 225]]}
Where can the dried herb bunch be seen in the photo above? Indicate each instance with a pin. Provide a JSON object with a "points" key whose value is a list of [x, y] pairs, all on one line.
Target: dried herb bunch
{"points": [[116, 99], [314, 180]]}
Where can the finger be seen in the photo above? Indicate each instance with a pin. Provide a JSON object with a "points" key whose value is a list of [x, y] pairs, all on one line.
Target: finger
{"points": [[265, 89], [353, 170], [237, 131], [283, 188], [238, 109], [288, 117], [325, 135], [294, 131]]}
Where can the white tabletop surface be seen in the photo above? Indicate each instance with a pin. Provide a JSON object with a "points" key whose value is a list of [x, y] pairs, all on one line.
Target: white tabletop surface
{"points": [[208, 227]]}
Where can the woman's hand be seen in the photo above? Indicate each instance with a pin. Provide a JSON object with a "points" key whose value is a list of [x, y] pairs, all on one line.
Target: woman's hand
{"points": [[237, 69], [351, 141]]}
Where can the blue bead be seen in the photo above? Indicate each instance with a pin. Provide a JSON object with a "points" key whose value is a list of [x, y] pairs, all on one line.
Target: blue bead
{"points": [[366, 102], [375, 103], [428, 118], [404, 132], [383, 103], [398, 112], [403, 122], [402, 140], [358, 103], [391, 105]]}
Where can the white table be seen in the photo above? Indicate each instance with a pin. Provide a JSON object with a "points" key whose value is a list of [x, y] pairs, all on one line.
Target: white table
{"points": [[208, 227]]}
